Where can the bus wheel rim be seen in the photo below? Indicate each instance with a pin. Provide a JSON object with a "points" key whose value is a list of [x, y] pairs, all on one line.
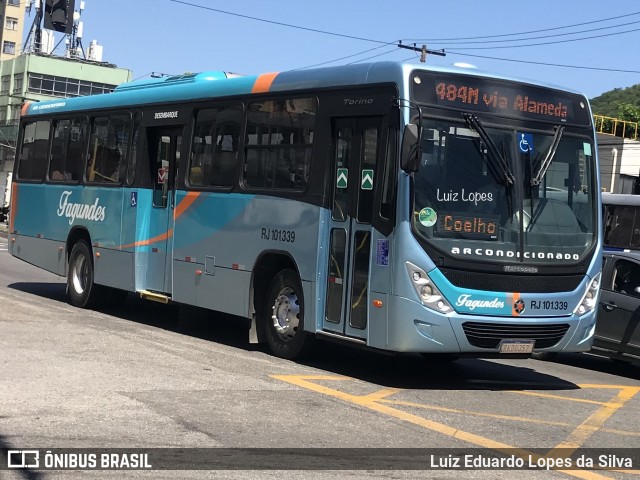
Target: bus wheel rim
{"points": [[286, 314], [80, 275]]}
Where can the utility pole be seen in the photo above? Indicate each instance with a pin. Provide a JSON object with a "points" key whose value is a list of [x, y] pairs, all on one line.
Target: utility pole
{"points": [[422, 50]]}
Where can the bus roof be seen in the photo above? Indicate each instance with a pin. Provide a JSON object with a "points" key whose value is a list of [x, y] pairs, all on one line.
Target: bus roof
{"points": [[222, 84]]}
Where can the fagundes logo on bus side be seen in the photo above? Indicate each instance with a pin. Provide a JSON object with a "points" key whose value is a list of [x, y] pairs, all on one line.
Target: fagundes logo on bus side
{"points": [[80, 211]]}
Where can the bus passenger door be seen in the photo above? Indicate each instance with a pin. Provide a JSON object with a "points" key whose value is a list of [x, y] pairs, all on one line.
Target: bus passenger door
{"points": [[356, 151], [164, 153]]}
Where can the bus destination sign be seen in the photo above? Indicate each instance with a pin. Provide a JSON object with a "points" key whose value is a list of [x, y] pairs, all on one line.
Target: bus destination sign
{"points": [[500, 97]]}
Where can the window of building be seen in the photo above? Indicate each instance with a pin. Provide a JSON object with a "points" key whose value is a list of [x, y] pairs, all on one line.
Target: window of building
{"points": [[15, 3], [214, 151], [11, 23], [65, 87], [15, 112], [278, 143], [108, 149], [9, 47], [18, 81], [5, 81]]}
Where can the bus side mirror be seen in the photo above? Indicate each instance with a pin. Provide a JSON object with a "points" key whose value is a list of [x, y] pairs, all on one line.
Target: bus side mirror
{"points": [[411, 154]]}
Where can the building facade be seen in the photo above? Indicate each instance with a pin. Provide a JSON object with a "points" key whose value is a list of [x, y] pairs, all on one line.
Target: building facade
{"points": [[35, 77], [619, 164], [12, 14]]}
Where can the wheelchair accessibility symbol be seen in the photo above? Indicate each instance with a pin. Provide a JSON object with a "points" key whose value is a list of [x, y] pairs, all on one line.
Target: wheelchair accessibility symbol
{"points": [[525, 142]]}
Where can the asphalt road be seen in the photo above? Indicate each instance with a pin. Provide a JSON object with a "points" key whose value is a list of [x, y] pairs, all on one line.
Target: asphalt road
{"points": [[139, 377]]}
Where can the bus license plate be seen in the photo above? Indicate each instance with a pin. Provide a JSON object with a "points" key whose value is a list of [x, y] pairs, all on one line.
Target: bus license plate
{"points": [[517, 346]]}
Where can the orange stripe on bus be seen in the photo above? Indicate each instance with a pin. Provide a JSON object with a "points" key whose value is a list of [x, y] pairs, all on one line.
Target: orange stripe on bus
{"points": [[185, 203], [263, 82], [25, 107], [514, 298], [182, 207], [14, 206], [144, 243]]}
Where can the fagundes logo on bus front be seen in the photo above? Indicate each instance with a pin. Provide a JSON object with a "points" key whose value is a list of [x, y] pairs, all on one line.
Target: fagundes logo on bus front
{"points": [[465, 300], [80, 211]]}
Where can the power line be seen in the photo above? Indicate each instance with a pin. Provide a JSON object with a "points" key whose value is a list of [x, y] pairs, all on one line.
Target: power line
{"points": [[282, 24], [541, 36], [384, 44], [348, 56], [373, 56], [619, 70], [525, 33], [555, 42]]}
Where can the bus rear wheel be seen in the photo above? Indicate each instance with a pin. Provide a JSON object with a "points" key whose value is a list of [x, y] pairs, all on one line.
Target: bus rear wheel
{"points": [[284, 317], [81, 290]]}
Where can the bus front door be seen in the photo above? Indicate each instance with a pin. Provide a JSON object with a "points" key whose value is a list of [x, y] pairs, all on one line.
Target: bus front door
{"points": [[164, 145], [356, 150]]}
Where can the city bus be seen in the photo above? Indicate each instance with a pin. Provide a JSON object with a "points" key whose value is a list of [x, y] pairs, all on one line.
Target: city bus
{"points": [[398, 207], [621, 220]]}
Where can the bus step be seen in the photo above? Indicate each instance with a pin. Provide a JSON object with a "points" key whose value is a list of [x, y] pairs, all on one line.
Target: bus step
{"points": [[154, 296]]}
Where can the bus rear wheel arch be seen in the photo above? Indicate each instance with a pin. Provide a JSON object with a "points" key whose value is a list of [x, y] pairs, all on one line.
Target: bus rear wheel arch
{"points": [[82, 290], [283, 316]]}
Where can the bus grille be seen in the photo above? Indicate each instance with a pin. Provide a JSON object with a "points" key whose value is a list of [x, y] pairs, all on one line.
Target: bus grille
{"points": [[497, 282], [489, 335]]}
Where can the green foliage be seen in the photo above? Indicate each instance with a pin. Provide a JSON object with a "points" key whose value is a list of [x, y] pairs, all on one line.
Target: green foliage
{"points": [[623, 103], [626, 111]]}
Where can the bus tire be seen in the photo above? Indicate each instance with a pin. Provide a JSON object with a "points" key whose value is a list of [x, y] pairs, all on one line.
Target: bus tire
{"points": [[284, 317], [81, 290]]}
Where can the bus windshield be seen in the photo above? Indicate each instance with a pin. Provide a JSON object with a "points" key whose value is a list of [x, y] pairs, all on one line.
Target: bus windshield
{"points": [[501, 195]]}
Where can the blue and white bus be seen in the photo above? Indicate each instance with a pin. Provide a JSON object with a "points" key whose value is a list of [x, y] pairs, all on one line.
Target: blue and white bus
{"points": [[399, 207]]}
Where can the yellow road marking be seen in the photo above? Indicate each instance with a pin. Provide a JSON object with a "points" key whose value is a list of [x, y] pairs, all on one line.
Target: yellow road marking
{"points": [[504, 417], [593, 423], [370, 402], [558, 397]]}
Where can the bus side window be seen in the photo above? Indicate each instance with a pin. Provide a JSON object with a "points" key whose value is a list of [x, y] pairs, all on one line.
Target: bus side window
{"points": [[225, 153], [34, 151], [108, 148], [68, 150], [201, 148], [279, 143], [133, 151], [214, 147]]}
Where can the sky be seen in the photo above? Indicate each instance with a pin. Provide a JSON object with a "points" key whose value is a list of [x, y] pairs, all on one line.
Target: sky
{"points": [[541, 40]]}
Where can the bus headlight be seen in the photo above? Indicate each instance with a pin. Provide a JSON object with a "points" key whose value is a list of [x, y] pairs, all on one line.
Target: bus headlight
{"points": [[428, 293], [590, 297]]}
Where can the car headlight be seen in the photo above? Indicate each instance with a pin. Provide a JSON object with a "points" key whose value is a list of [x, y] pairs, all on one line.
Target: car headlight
{"points": [[428, 293], [590, 297]]}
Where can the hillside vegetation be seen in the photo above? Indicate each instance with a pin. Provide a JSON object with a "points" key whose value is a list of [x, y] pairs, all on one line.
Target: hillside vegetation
{"points": [[623, 103]]}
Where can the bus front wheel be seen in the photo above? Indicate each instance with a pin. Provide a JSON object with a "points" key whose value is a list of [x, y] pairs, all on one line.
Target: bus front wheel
{"points": [[284, 316], [81, 290]]}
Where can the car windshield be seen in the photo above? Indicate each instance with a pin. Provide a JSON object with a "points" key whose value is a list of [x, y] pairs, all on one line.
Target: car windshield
{"points": [[498, 194]]}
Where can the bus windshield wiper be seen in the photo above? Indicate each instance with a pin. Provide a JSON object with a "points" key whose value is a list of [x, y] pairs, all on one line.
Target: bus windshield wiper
{"points": [[499, 161], [546, 163]]}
